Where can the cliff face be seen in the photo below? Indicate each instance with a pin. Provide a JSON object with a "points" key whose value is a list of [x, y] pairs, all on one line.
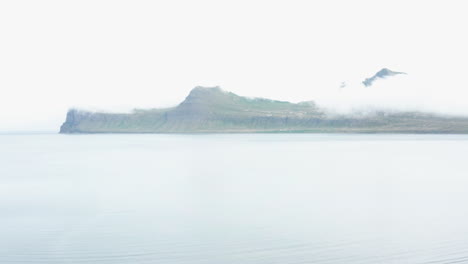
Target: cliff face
{"points": [[214, 110], [72, 122]]}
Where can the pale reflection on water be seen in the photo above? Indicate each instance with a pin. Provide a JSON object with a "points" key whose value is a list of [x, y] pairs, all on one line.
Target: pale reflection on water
{"points": [[263, 198]]}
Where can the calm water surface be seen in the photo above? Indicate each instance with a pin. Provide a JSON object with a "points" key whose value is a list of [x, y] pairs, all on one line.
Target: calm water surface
{"points": [[233, 199]]}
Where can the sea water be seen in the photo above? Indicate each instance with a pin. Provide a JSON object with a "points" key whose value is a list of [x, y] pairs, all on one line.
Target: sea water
{"points": [[233, 198]]}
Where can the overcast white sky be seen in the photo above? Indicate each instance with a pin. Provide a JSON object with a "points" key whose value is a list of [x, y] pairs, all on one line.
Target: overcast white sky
{"points": [[120, 54]]}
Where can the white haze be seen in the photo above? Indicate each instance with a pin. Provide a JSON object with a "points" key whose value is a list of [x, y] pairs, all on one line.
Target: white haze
{"points": [[411, 92], [119, 55]]}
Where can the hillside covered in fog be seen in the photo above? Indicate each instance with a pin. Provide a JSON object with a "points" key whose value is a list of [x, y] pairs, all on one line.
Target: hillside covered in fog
{"points": [[212, 110]]}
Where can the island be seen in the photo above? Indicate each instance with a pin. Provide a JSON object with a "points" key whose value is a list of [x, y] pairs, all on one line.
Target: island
{"points": [[213, 110]]}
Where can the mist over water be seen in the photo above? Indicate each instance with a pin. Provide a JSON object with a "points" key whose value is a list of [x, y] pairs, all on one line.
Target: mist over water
{"points": [[302, 198]]}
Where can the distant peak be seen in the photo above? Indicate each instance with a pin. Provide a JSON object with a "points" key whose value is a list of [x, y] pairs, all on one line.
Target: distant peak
{"points": [[206, 89], [387, 72], [205, 94], [382, 74]]}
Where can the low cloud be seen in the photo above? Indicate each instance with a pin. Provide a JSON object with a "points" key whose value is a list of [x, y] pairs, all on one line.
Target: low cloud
{"points": [[402, 92]]}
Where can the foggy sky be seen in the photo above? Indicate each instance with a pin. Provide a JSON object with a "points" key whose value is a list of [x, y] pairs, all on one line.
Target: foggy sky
{"points": [[122, 54]]}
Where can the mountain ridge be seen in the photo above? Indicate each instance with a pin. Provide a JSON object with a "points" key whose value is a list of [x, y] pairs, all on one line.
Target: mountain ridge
{"points": [[213, 110], [382, 74]]}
